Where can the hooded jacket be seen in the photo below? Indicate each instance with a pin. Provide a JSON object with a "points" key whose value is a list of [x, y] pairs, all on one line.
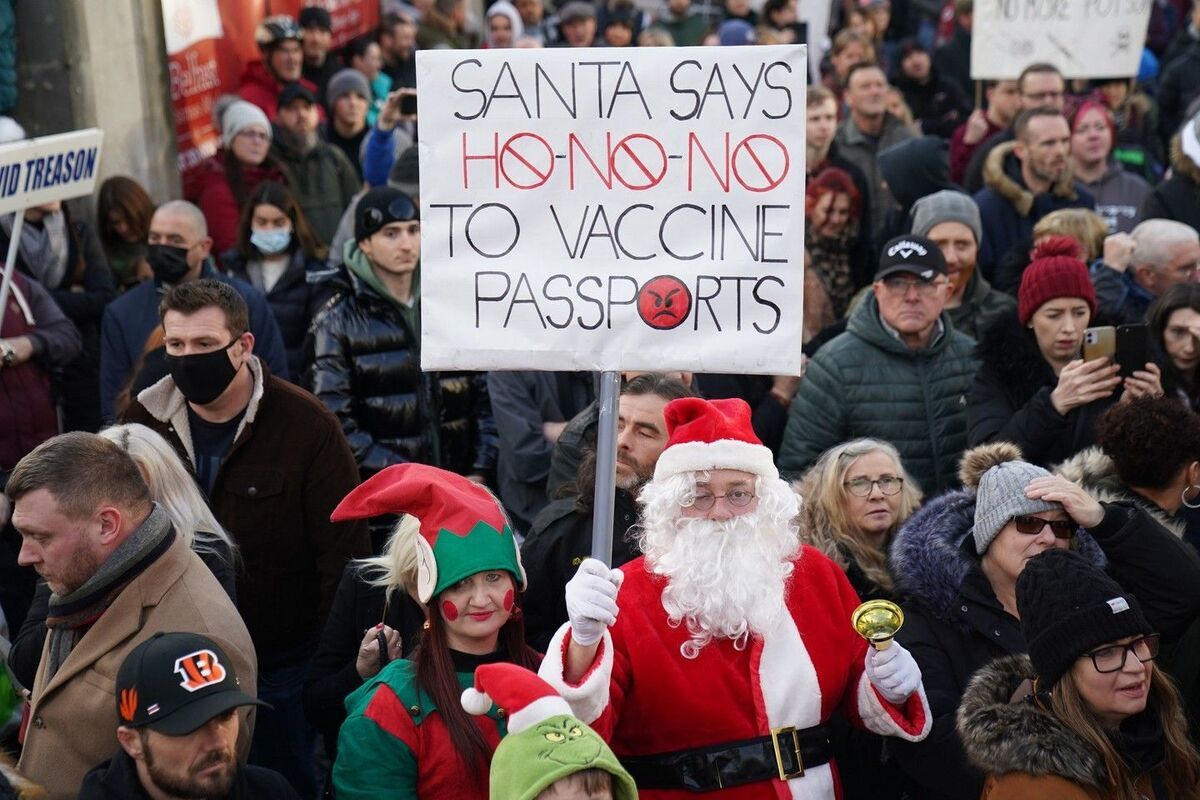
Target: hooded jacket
{"points": [[866, 382], [1009, 210], [323, 181], [1178, 197], [1024, 750], [862, 151], [1010, 399], [911, 169], [1119, 194], [366, 369], [954, 625], [937, 104], [982, 304]]}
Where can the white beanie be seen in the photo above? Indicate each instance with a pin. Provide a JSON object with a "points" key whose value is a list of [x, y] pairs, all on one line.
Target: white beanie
{"points": [[239, 116]]}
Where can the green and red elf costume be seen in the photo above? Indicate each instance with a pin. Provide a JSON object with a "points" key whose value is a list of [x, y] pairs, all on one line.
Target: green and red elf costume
{"points": [[395, 742]]}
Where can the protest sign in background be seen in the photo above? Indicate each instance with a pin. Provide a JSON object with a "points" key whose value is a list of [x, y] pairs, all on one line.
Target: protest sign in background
{"points": [[596, 210], [209, 43], [1083, 38]]}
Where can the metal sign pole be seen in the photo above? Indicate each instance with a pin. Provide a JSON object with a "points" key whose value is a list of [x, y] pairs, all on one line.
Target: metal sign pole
{"points": [[10, 264], [606, 467]]}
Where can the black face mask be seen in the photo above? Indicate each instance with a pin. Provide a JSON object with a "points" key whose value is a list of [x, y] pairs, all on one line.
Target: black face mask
{"points": [[203, 377], [168, 263]]}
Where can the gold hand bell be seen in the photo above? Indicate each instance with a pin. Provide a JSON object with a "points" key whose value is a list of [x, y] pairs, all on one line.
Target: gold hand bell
{"points": [[877, 621]]}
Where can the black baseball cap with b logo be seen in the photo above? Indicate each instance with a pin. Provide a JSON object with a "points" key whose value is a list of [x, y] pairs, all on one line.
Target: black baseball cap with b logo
{"points": [[173, 683], [913, 254]]}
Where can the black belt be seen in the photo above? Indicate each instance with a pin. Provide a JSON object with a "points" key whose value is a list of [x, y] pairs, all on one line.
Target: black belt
{"points": [[782, 755]]}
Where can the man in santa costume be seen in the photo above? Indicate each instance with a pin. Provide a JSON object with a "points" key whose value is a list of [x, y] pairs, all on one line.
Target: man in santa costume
{"points": [[714, 662]]}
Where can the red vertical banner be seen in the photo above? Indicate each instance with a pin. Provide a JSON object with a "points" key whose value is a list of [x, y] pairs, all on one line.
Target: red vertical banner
{"points": [[209, 43]]}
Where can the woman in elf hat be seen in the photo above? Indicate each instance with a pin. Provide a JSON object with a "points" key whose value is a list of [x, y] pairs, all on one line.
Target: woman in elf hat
{"points": [[406, 734], [1085, 715]]}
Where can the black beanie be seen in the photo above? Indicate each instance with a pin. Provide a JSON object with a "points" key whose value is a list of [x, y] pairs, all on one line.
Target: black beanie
{"points": [[379, 207], [1069, 607]]}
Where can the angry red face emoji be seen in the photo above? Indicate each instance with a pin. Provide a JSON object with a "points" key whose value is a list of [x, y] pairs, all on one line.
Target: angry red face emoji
{"points": [[664, 302]]}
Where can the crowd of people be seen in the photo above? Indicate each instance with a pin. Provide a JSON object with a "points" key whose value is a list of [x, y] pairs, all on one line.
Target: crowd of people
{"points": [[251, 549]]}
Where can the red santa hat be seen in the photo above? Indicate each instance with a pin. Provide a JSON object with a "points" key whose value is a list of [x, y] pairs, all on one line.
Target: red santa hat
{"points": [[463, 528], [704, 435], [525, 698]]}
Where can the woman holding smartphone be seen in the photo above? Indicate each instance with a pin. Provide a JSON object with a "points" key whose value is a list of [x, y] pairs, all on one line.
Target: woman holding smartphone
{"points": [[1032, 388]]}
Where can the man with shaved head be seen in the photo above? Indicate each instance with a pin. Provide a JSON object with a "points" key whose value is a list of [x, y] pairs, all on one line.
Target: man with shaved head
{"points": [[1139, 266], [131, 351]]}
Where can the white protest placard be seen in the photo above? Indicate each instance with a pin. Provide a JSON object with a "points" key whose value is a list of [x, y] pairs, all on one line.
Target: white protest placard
{"points": [[1083, 38], [49, 168], [597, 209]]}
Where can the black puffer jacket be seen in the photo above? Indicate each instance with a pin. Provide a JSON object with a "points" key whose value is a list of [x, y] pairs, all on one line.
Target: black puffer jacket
{"points": [[1010, 399], [954, 624], [366, 369], [937, 104], [294, 299]]}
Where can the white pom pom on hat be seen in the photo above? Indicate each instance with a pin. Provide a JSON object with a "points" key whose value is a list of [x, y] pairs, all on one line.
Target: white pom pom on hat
{"points": [[525, 698]]}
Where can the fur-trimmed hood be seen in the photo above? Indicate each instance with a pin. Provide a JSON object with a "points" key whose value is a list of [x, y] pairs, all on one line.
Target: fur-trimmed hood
{"points": [[1011, 353], [1180, 163], [1097, 474], [1001, 736], [1003, 175], [930, 563]]}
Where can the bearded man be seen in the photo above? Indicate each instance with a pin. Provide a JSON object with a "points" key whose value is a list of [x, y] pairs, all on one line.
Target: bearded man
{"points": [[733, 645]]}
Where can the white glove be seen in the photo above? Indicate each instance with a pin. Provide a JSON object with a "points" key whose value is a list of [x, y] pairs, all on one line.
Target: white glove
{"points": [[894, 672], [592, 601]]}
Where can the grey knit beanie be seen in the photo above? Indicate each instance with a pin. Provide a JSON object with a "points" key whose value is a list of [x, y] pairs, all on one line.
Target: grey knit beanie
{"points": [[947, 205], [999, 477], [239, 116], [344, 82]]}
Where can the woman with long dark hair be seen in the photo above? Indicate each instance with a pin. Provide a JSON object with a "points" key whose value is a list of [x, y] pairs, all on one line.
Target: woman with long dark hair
{"points": [[276, 251], [1175, 325], [225, 181], [123, 212], [1085, 715], [406, 734]]}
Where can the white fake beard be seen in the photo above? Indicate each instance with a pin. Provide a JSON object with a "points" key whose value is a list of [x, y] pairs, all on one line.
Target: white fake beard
{"points": [[725, 579]]}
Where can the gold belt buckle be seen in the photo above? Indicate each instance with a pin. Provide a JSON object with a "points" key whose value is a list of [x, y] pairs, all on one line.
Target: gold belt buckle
{"points": [[784, 775]]}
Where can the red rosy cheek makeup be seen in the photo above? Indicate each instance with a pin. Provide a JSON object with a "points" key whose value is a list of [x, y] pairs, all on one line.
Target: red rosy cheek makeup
{"points": [[509, 596], [449, 611]]}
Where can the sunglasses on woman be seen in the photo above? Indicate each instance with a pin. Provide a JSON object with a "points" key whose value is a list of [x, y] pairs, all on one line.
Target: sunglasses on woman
{"points": [[1061, 528], [1113, 657]]}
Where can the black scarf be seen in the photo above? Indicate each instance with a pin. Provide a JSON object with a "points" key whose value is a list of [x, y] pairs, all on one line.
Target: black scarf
{"points": [[1140, 742]]}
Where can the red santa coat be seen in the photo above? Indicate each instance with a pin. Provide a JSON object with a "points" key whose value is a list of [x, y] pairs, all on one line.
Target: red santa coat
{"points": [[644, 697]]}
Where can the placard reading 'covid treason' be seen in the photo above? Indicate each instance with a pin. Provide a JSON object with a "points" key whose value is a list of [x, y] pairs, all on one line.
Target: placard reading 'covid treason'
{"points": [[1083, 38], [638, 209]]}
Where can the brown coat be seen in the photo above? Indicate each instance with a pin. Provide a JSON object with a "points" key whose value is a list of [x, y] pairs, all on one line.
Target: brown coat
{"points": [[73, 719], [1022, 786], [288, 468]]}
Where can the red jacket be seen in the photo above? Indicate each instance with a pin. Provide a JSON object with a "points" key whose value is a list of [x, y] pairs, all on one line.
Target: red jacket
{"points": [[259, 86], [215, 197]]}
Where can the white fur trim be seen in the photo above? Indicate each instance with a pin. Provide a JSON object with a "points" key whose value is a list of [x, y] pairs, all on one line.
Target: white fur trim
{"points": [[876, 718], [723, 454], [1189, 141], [590, 698], [541, 709], [475, 702], [792, 696]]}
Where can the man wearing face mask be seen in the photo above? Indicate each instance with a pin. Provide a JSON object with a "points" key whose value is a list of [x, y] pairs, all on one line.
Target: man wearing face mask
{"points": [[131, 339], [273, 464]]}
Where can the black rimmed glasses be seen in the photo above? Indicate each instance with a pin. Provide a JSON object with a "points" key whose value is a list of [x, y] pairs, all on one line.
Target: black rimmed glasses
{"points": [[1032, 526], [1113, 657], [738, 498], [862, 487]]}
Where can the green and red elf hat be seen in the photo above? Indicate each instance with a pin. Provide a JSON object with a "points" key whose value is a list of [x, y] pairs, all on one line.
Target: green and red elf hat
{"points": [[463, 528]]}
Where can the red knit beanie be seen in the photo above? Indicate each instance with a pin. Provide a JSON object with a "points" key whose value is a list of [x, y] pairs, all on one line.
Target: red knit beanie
{"points": [[1055, 272]]}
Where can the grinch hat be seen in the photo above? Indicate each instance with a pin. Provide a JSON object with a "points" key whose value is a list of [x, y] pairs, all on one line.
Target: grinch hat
{"points": [[545, 742], [712, 434], [463, 528]]}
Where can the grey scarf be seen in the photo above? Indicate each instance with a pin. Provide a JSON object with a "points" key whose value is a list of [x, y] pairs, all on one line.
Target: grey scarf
{"points": [[43, 248], [72, 615]]}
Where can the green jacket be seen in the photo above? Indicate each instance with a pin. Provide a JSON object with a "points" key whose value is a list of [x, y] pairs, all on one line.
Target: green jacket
{"points": [[323, 181], [394, 745], [868, 383], [981, 305]]}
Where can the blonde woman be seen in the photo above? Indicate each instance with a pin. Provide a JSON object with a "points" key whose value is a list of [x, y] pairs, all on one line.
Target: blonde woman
{"points": [[855, 498], [173, 488]]}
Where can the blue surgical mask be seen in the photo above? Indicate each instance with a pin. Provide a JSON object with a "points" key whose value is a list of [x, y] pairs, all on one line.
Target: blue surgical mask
{"points": [[272, 242]]}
